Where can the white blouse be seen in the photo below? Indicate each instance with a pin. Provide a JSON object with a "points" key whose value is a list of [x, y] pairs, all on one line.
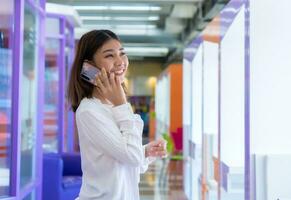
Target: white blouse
{"points": [[111, 150]]}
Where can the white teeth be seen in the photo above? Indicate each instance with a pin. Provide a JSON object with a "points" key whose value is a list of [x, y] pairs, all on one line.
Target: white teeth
{"points": [[119, 72]]}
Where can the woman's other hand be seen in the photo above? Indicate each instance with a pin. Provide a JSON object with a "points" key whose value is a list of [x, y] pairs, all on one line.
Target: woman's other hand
{"points": [[110, 88], [156, 148]]}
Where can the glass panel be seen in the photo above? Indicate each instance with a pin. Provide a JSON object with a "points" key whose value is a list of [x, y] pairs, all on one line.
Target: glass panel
{"points": [[6, 37], [270, 98], [68, 36], [196, 130], [162, 105], [28, 98], [52, 50], [232, 142], [210, 120], [52, 27], [68, 115], [30, 196]]}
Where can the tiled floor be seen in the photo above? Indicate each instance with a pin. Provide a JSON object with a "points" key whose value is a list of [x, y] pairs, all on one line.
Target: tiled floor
{"points": [[157, 184]]}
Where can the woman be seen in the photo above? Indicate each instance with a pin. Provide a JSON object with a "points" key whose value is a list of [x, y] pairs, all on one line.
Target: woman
{"points": [[110, 135]]}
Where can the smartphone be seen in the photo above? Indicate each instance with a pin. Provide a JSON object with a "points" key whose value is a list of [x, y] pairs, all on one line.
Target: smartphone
{"points": [[89, 72]]}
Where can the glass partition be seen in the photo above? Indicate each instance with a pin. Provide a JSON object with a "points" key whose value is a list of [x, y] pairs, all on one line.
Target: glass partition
{"points": [[28, 97], [210, 119], [270, 99], [6, 39], [196, 121], [20, 66], [232, 130], [68, 115], [53, 62], [52, 51], [58, 117], [162, 101], [187, 124], [30, 196]]}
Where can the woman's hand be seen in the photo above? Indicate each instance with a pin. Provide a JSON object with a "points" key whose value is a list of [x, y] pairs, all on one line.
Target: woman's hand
{"points": [[110, 88], [156, 148]]}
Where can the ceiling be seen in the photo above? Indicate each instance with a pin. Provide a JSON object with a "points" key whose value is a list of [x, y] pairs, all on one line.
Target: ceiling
{"points": [[152, 29]]}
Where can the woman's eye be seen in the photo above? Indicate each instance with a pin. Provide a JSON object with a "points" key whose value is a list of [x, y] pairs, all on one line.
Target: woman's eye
{"points": [[107, 56], [122, 53]]}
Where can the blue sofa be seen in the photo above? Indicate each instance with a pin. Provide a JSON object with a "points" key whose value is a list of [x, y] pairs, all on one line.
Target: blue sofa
{"points": [[62, 176]]}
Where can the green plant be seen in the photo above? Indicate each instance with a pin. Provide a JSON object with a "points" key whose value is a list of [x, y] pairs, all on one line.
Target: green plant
{"points": [[170, 144]]}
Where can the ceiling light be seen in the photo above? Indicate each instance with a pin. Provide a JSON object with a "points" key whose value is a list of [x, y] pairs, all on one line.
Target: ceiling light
{"points": [[123, 27], [96, 18], [136, 8], [153, 18], [91, 7], [149, 18], [123, 8], [142, 26]]}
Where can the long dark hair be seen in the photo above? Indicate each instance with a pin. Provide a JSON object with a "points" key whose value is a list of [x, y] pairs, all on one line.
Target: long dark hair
{"points": [[89, 43]]}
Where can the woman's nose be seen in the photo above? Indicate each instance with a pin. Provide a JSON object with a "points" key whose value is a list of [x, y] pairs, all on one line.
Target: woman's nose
{"points": [[119, 61]]}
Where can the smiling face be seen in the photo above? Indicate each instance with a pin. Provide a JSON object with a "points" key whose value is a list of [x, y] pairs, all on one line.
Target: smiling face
{"points": [[112, 57]]}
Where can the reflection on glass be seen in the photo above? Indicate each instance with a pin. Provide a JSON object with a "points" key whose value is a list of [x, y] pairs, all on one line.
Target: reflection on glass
{"points": [[50, 143], [68, 36], [68, 115], [28, 98], [30, 196], [6, 22], [162, 105]]}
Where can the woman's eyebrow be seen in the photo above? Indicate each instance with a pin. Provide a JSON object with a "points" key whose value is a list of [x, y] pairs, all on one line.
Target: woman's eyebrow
{"points": [[107, 50], [111, 50]]}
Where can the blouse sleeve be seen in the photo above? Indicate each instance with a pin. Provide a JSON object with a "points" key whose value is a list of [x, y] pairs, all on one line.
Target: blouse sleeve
{"points": [[120, 138], [146, 161]]}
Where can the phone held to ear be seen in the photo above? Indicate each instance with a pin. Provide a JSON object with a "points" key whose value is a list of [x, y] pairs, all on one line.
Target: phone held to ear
{"points": [[89, 72]]}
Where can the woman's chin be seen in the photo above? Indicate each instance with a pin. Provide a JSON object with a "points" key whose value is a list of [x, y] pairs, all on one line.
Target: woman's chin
{"points": [[121, 78]]}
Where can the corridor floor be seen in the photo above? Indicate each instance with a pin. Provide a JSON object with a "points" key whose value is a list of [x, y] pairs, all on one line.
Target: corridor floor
{"points": [[163, 181]]}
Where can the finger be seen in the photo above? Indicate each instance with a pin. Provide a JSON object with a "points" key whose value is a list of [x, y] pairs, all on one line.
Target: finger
{"points": [[154, 143], [117, 80], [152, 154], [112, 79], [162, 153], [104, 77], [157, 149], [100, 84], [99, 90], [162, 143], [158, 154], [161, 140]]}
